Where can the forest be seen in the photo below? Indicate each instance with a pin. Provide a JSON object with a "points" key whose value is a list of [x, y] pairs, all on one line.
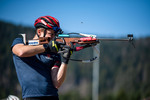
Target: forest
{"points": [[124, 70]]}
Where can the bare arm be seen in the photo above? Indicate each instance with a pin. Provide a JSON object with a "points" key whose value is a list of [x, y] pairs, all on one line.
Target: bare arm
{"points": [[22, 50], [59, 75]]}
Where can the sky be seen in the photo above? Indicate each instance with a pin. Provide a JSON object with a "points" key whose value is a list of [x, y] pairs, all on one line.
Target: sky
{"points": [[101, 17]]}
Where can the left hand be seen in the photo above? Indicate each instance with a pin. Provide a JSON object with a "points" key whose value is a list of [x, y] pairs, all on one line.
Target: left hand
{"points": [[67, 54]]}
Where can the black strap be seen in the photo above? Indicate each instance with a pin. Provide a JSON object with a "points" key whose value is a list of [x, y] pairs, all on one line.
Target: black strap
{"points": [[45, 32], [42, 98]]}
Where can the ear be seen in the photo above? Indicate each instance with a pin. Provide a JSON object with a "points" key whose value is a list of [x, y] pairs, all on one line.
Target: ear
{"points": [[38, 31]]}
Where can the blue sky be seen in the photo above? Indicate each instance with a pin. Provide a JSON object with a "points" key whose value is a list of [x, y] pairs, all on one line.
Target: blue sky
{"points": [[103, 17]]}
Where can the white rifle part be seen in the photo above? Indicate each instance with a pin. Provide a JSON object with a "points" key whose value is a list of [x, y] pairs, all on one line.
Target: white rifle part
{"points": [[24, 38], [29, 42], [33, 42], [87, 35]]}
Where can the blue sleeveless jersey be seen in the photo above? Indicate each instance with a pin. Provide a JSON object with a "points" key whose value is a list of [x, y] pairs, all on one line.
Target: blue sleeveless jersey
{"points": [[34, 73]]}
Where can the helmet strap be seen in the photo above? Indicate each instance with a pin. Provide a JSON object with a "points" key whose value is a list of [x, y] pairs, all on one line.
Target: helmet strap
{"points": [[44, 32], [37, 33]]}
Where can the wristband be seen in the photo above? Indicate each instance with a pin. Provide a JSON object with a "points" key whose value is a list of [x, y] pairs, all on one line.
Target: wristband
{"points": [[57, 64]]}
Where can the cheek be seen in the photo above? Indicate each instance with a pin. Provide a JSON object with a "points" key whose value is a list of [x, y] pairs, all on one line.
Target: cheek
{"points": [[50, 35]]}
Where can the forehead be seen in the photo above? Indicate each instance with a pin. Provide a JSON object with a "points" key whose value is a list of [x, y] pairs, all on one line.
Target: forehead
{"points": [[50, 30]]}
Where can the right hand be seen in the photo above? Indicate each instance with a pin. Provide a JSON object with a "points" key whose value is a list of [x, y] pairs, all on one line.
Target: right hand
{"points": [[52, 46]]}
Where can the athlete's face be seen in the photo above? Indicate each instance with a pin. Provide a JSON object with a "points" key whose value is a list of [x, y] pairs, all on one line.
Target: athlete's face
{"points": [[50, 33]]}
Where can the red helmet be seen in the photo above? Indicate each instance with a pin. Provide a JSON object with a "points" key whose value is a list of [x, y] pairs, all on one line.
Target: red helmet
{"points": [[47, 22]]}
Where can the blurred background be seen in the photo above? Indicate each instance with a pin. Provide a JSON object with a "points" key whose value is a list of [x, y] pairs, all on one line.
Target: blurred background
{"points": [[124, 71]]}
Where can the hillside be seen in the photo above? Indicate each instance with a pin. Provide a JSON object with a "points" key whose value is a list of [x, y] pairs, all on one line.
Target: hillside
{"points": [[124, 70]]}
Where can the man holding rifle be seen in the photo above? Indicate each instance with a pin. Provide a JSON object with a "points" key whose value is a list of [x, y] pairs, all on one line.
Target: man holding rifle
{"points": [[39, 68]]}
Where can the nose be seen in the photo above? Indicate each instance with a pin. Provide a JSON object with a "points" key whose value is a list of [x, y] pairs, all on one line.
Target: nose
{"points": [[50, 35]]}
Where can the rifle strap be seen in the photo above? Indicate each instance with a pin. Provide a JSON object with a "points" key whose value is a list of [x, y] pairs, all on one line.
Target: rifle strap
{"points": [[89, 60]]}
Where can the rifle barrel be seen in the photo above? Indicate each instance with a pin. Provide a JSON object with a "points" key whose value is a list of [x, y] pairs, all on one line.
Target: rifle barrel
{"points": [[113, 39], [130, 38]]}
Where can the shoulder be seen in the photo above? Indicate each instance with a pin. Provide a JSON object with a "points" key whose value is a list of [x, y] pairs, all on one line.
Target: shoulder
{"points": [[17, 41]]}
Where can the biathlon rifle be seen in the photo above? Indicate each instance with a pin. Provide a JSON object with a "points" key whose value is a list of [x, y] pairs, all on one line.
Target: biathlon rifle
{"points": [[76, 43]]}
